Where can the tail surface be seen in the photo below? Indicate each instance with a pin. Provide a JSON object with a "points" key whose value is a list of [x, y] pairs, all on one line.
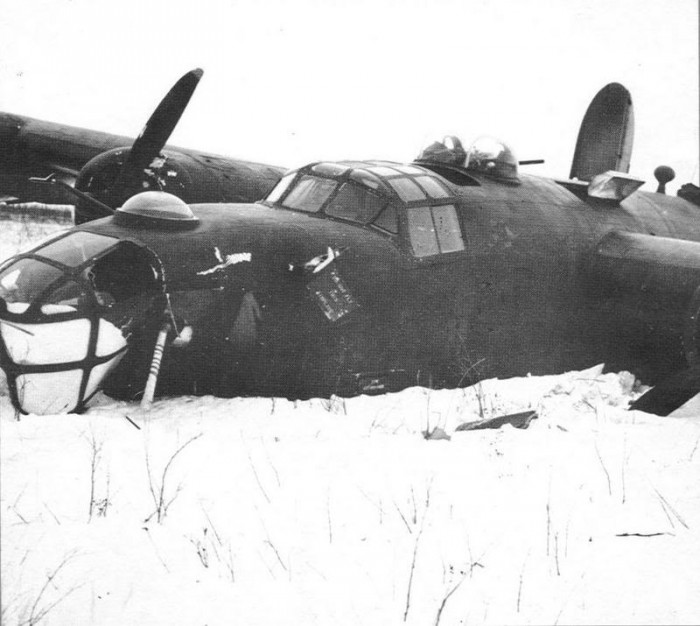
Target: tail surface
{"points": [[606, 135]]}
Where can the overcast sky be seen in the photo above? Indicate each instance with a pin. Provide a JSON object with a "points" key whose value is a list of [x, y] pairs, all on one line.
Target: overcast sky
{"points": [[304, 80]]}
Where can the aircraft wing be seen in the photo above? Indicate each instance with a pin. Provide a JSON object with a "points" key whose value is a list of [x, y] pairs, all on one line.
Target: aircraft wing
{"points": [[35, 148], [105, 170], [31, 144], [658, 280]]}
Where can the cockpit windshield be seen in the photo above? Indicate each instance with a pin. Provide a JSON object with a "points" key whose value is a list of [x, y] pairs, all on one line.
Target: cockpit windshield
{"points": [[362, 192], [279, 189], [356, 203], [309, 193], [348, 197]]}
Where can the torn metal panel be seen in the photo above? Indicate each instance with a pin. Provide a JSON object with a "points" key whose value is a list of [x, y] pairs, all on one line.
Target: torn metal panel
{"points": [[224, 262], [516, 420]]}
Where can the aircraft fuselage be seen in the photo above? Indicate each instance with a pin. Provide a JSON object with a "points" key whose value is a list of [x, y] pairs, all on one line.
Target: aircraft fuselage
{"points": [[525, 295], [358, 277]]}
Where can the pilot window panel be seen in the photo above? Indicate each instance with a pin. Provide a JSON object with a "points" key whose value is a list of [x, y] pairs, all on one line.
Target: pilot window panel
{"points": [[388, 220], [366, 178], [382, 170], [280, 187], [433, 188], [434, 230], [309, 194], [407, 169], [408, 190], [355, 203], [329, 169]]}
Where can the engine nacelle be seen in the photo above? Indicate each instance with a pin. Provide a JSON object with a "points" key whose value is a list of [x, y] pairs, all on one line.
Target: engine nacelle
{"points": [[193, 177]]}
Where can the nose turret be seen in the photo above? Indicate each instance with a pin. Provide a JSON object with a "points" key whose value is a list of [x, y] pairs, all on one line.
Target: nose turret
{"points": [[68, 311]]}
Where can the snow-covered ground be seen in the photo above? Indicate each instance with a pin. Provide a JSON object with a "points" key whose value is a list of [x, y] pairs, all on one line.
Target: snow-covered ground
{"points": [[17, 234], [259, 511]]}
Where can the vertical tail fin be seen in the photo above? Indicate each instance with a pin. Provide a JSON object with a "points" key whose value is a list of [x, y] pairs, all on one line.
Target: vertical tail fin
{"points": [[606, 135]]}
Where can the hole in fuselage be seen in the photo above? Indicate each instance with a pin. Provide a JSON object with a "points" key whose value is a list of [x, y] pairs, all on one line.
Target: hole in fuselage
{"points": [[124, 274]]}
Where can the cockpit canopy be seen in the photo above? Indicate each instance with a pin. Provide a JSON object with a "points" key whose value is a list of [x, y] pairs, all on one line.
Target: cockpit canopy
{"points": [[486, 155], [363, 192]]}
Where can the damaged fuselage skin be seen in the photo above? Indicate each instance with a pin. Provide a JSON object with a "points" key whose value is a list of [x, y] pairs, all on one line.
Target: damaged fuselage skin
{"points": [[360, 277]]}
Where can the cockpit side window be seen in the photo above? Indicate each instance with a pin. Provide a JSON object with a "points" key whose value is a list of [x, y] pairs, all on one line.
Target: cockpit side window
{"points": [[388, 220], [355, 203], [282, 186], [434, 230], [433, 187], [309, 193], [408, 191]]}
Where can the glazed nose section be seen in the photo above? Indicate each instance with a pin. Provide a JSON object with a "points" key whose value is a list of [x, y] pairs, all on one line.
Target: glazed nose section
{"points": [[55, 365], [67, 312]]}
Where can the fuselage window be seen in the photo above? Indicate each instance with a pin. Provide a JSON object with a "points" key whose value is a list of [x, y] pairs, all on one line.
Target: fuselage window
{"points": [[355, 203], [434, 230], [447, 228], [281, 187], [309, 193], [388, 220], [422, 231]]}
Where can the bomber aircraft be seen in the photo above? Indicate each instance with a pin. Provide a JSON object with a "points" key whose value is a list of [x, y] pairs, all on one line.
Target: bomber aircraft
{"points": [[344, 277]]}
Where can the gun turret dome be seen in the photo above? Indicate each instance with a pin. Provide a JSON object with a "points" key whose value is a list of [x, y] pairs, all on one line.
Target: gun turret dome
{"points": [[155, 208], [490, 156], [486, 155], [448, 151]]}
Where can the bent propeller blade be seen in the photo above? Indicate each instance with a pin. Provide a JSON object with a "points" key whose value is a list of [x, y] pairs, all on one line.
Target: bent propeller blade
{"points": [[160, 125]]}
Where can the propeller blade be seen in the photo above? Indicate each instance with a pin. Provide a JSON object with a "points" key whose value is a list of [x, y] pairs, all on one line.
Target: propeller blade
{"points": [[160, 125]]}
